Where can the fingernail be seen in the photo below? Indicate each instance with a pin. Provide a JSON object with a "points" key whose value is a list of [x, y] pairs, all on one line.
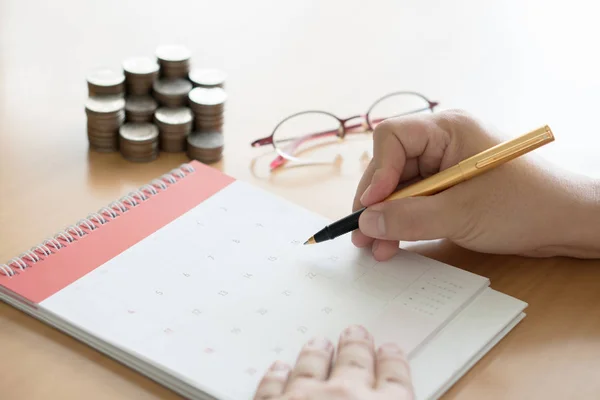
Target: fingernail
{"points": [[279, 366], [279, 369], [319, 343], [390, 348], [375, 246], [372, 223], [365, 194], [356, 332]]}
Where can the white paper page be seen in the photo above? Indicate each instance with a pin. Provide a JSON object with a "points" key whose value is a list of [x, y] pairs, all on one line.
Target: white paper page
{"points": [[451, 353], [220, 293]]}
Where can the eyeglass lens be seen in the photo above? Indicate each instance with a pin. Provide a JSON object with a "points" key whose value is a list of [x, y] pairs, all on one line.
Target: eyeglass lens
{"points": [[311, 136]]}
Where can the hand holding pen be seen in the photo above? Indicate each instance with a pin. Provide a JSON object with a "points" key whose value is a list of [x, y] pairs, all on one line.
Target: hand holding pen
{"points": [[510, 208]]}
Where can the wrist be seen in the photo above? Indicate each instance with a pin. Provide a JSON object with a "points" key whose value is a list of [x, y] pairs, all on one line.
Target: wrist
{"points": [[578, 232]]}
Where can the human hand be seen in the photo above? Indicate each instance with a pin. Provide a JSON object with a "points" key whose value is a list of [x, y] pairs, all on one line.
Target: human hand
{"points": [[520, 207], [358, 372]]}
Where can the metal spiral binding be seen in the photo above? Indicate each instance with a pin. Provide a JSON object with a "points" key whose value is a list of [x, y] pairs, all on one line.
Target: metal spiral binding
{"points": [[92, 222]]}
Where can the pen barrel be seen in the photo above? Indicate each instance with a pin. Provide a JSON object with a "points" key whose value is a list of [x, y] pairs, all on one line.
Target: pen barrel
{"points": [[431, 185], [506, 151], [477, 164]]}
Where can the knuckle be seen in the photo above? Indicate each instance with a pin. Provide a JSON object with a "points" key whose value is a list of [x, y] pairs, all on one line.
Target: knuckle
{"points": [[312, 352], [455, 121], [396, 380], [304, 374], [356, 344], [273, 377], [384, 129], [357, 362], [456, 114], [398, 359]]}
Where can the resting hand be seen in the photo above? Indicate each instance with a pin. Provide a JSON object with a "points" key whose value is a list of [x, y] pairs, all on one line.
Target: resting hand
{"points": [[359, 372]]}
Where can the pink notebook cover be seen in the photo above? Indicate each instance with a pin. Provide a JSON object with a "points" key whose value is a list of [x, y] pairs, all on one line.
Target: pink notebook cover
{"points": [[53, 265]]}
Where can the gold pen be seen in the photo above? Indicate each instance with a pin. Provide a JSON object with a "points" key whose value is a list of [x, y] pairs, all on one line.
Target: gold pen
{"points": [[464, 170]]}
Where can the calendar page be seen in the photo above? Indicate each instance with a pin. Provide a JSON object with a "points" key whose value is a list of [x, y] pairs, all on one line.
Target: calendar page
{"points": [[222, 291]]}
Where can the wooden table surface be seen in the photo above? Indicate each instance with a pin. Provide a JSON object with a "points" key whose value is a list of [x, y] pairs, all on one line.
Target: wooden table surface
{"points": [[515, 64]]}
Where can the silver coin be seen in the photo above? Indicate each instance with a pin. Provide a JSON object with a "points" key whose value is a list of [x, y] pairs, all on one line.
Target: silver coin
{"points": [[172, 87], [139, 131], [208, 96], [140, 104], [106, 77], [206, 140], [105, 104], [140, 65], [173, 53], [207, 76], [174, 116]]}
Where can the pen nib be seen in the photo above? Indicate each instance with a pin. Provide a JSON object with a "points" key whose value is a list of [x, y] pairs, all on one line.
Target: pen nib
{"points": [[310, 241]]}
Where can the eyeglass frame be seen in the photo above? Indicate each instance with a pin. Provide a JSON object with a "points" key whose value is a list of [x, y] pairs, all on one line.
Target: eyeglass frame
{"points": [[342, 131]]}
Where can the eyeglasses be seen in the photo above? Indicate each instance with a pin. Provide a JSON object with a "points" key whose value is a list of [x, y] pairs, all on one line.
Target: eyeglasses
{"points": [[303, 137]]}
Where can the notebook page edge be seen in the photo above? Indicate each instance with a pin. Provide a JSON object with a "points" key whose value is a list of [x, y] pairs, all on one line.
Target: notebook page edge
{"points": [[450, 367], [485, 285], [477, 357]]}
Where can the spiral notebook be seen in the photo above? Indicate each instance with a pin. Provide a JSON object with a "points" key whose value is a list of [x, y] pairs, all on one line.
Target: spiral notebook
{"points": [[200, 281]]}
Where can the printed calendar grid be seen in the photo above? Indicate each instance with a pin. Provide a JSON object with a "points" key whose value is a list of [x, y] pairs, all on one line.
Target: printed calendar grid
{"points": [[229, 285]]}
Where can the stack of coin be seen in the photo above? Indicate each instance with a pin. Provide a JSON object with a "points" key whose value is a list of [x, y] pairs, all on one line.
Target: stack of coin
{"points": [[207, 77], [140, 74], [138, 141], [140, 108], [171, 92], [106, 81], [206, 147], [174, 125], [174, 61], [208, 105], [105, 114]]}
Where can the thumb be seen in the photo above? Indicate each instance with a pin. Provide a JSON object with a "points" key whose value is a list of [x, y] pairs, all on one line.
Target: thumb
{"points": [[412, 219]]}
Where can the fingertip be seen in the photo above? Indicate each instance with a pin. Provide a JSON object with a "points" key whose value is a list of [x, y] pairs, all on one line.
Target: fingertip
{"points": [[366, 194], [361, 240], [383, 183], [384, 250], [279, 365], [391, 349]]}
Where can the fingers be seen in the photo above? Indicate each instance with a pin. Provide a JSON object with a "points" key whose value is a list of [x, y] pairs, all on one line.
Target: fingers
{"points": [[411, 219], [383, 250], [357, 364], [409, 175], [393, 372], [355, 361], [404, 149], [364, 182], [313, 363], [273, 382], [396, 141], [358, 238]]}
